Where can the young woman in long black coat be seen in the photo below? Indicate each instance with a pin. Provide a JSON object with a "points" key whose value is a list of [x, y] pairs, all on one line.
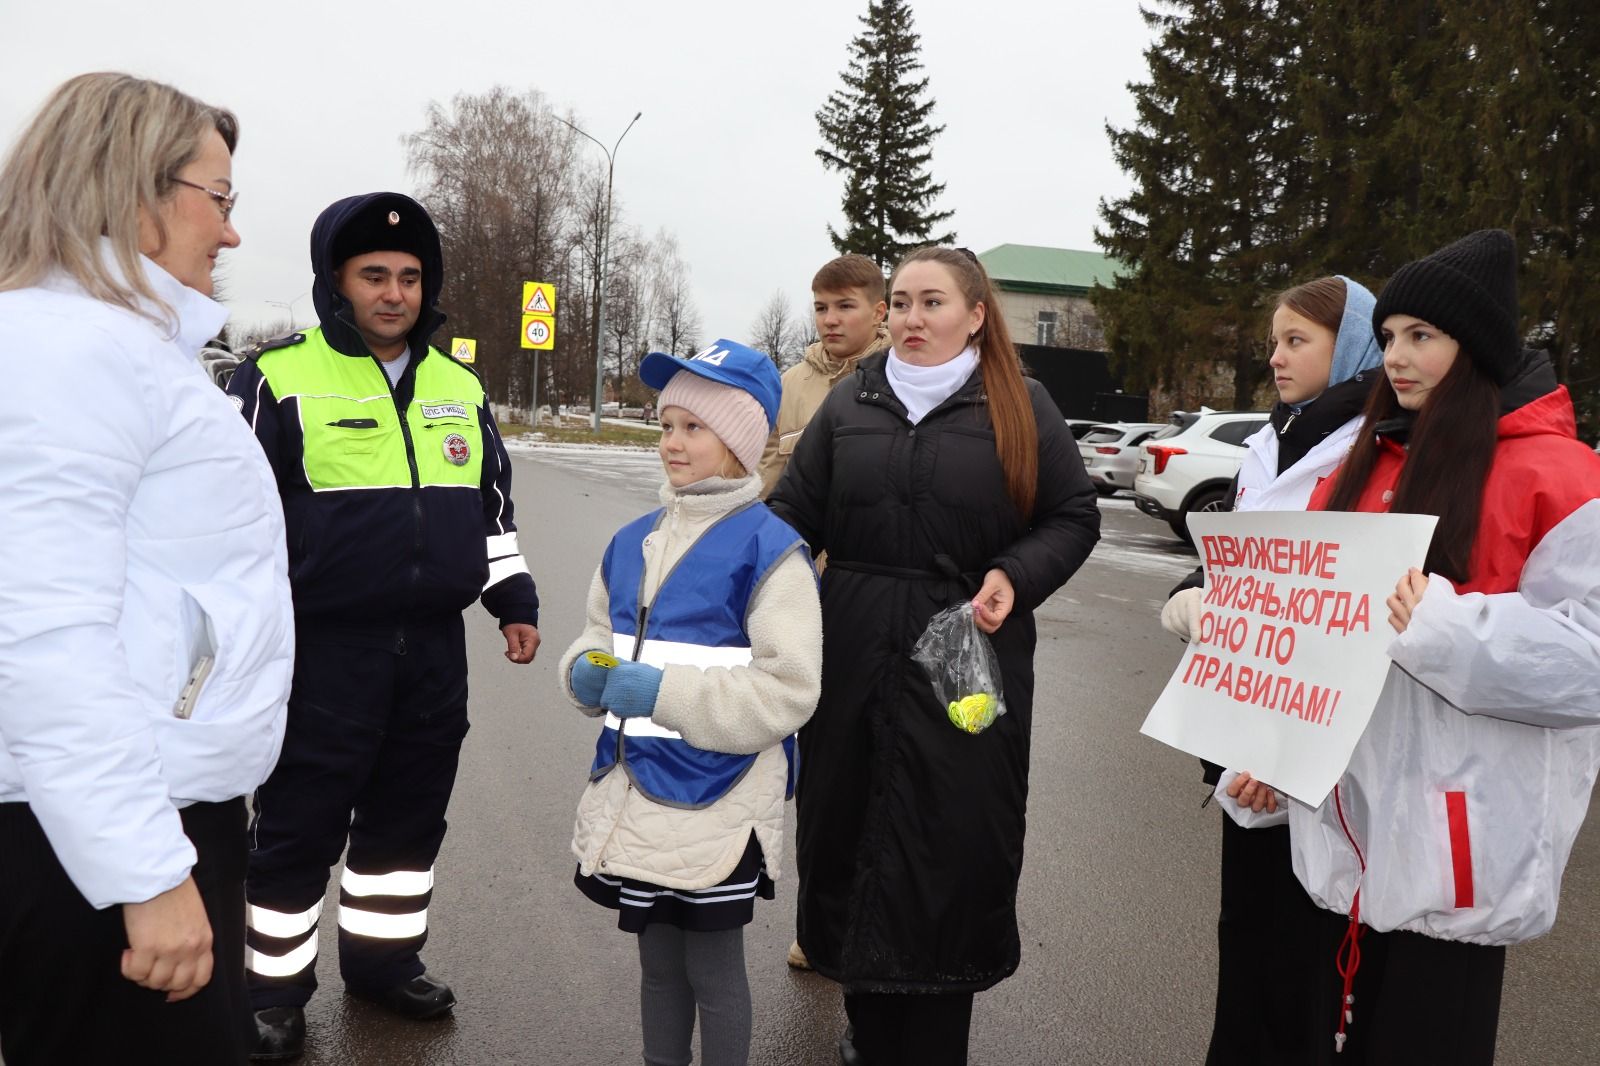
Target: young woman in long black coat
{"points": [[934, 474]]}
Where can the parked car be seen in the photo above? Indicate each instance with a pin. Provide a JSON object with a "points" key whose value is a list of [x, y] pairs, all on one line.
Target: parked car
{"points": [[1188, 465], [1079, 426], [1110, 453]]}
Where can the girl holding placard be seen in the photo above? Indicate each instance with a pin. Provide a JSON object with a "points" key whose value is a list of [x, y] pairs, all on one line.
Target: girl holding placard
{"points": [[1324, 360]]}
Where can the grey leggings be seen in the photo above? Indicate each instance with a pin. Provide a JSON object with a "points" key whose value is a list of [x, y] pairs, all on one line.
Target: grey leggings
{"points": [[680, 970]]}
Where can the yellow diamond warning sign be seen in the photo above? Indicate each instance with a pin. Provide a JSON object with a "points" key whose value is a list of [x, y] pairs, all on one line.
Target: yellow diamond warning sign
{"points": [[538, 298], [464, 349]]}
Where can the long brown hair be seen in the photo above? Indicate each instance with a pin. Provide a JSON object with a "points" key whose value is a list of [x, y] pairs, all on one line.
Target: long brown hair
{"points": [[1447, 461], [1016, 434], [1321, 300]]}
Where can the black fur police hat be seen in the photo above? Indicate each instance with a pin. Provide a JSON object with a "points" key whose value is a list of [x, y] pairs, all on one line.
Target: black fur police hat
{"points": [[1469, 290], [386, 223]]}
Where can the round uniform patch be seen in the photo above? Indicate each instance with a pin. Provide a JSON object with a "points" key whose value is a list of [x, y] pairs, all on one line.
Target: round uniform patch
{"points": [[456, 449], [238, 402]]}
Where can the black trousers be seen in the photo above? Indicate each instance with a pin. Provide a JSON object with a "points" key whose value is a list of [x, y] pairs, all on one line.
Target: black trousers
{"points": [[1418, 1001], [63, 999], [910, 1029], [1266, 920], [369, 757]]}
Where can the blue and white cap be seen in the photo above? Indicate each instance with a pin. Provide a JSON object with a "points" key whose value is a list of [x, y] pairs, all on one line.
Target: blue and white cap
{"points": [[725, 363]]}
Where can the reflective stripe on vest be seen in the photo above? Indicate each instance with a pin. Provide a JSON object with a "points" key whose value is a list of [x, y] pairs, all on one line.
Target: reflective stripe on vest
{"points": [[353, 436], [696, 619]]}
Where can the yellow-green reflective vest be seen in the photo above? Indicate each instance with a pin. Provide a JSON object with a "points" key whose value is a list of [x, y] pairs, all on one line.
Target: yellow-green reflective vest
{"points": [[354, 437]]}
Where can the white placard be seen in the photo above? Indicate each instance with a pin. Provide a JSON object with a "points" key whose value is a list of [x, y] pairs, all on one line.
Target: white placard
{"points": [[1290, 657]]}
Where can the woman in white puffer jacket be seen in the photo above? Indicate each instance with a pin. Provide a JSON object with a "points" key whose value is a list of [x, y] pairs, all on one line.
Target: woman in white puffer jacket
{"points": [[146, 630]]}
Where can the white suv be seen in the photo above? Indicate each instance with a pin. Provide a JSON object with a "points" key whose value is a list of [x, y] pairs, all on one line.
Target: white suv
{"points": [[1111, 453], [1188, 465]]}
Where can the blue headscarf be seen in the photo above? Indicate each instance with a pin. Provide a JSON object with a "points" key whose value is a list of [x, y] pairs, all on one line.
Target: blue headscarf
{"points": [[1356, 349]]}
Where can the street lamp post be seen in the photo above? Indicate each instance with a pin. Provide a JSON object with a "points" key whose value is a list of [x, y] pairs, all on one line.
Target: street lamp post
{"points": [[600, 268], [288, 307]]}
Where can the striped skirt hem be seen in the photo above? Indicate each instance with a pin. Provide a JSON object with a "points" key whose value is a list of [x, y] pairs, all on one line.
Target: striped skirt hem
{"points": [[728, 905]]}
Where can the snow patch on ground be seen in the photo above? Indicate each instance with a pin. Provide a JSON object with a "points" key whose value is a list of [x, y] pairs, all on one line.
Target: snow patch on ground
{"points": [[531, 442]]}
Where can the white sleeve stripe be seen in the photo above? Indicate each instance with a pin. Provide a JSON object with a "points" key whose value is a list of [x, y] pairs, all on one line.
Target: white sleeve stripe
{"points": [[501, 569], [502, 545], [255, 412], [498, 451]]}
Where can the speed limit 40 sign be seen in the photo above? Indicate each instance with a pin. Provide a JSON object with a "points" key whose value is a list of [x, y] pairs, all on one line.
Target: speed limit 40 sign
{"points": [[538, 315]]}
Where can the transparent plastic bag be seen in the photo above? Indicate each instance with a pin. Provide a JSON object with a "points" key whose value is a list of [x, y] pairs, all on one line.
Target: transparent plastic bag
{"points": [[961, 664]]}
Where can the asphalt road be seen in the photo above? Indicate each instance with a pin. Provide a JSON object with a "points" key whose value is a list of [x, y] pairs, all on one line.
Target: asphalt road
{"points": [[1117, 901]]}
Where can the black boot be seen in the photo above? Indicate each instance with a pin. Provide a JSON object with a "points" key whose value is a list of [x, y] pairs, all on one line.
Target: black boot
{"points": [[418, 999], [280, 1034]]}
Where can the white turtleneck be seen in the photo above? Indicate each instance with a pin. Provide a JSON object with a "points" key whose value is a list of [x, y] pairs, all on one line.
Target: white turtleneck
{"points": [[922, 388]]}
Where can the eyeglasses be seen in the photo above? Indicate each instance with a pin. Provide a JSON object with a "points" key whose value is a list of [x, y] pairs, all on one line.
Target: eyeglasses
{"points": [[225, 201]]}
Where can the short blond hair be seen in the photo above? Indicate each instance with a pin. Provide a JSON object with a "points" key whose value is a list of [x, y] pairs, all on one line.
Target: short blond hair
{"points": [[102, 146]]}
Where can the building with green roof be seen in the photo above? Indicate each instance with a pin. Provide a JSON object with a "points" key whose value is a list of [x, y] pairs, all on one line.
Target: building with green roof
{"points": [[1044, 293]]}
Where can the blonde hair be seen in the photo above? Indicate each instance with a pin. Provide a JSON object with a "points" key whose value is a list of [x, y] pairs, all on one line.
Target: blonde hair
{"points": [[102, 147]]}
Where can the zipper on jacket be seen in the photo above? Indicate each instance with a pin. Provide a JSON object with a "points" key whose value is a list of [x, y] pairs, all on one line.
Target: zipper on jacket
{"points": [[405, 427], [1288, 422], [416, 478], [638, 638]]}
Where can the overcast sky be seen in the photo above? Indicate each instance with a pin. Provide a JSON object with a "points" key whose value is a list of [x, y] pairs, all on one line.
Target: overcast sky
{"points": [[723, 156]]}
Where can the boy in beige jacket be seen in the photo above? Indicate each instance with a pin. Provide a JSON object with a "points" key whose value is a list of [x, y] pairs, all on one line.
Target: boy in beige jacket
{"points": [[847, 300]]}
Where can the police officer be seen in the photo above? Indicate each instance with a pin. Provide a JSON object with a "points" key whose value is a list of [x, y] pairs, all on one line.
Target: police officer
{"points": [[397, 499]]}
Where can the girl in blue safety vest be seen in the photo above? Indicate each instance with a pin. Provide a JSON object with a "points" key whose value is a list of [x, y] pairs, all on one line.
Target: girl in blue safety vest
{"points": [[703, 652]]}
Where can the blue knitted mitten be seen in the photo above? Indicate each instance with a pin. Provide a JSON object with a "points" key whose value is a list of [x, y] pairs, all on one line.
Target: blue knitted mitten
{"points": [[587, 681], [631, 689]]}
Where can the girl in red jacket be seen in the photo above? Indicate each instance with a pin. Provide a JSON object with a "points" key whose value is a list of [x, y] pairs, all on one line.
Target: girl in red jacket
{"points": [[1446, 838]]}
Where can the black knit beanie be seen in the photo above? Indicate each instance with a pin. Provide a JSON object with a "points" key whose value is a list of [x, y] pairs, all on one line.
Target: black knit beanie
{"points": [[1469, 290]]}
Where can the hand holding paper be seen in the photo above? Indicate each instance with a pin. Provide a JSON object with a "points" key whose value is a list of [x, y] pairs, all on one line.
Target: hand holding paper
{"points": [[1407, 594], [1257, 795]]}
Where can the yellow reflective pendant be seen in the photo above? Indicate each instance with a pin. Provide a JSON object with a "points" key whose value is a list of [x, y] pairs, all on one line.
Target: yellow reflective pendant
{"points": [[973, 713]]}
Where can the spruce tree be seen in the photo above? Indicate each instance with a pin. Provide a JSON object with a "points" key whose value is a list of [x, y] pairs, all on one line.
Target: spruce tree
{"points": [[1199, 234], [1534, 102], [1277, 142], [876, 130]]}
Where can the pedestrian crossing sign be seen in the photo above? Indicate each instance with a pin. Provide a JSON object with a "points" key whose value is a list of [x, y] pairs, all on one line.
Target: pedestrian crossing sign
{"points": [[464, 349], [538, 315], [538, 298]]}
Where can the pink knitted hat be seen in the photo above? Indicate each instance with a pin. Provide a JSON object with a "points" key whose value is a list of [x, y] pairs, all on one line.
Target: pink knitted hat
{"points": [[735, 416]]}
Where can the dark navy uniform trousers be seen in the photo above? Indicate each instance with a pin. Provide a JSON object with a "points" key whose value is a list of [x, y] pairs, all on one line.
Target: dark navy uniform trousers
{"points": [[376, 722]]}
